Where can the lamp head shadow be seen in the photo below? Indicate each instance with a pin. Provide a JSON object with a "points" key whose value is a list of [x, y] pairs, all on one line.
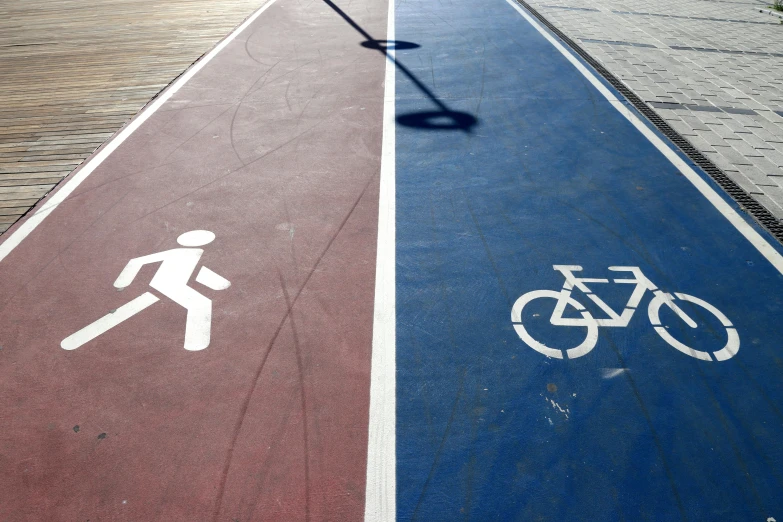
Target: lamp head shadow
{"points": [[386, 45], [445, 120]]}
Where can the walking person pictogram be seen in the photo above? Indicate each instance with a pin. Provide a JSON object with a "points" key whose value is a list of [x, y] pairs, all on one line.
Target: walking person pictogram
{"points": [[171, 280]]}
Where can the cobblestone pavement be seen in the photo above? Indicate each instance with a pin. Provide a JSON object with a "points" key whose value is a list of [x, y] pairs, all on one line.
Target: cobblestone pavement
{"points": [[713, 69]]}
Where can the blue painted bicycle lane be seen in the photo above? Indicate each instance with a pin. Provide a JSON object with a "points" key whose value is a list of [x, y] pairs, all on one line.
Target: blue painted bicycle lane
{"points": [[550, 173]]}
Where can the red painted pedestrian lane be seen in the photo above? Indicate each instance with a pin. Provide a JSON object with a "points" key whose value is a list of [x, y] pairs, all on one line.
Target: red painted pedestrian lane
{"points": [[274, 146]]}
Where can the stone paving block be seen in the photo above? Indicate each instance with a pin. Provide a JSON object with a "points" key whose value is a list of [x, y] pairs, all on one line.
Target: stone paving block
{"points": [[778, 180], [719, 160], [747, 121], [721, 130], [713, 139], [695, 123], [657, 90], [767, 136], [767, 166], [729, 101], [678, 124], [734, 125], [774, 156], [734, 157], [746, 184], [680, 98], [708, 118], [770, 204], [743, 148], [701, 144], [775, 193], [753, 104], [757, 176], [723, 117], [770, 121], [754, 141]]}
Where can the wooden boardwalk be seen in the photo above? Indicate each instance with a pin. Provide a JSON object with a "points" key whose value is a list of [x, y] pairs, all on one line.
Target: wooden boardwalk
{"points": [[72, 72]]}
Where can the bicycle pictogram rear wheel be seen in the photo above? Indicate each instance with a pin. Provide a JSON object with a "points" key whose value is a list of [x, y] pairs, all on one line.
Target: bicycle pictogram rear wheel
{"points": [[588, 321]]}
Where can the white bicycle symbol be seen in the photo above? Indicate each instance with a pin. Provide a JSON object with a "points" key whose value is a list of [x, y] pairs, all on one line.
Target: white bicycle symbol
{"points": [[643, 284]]}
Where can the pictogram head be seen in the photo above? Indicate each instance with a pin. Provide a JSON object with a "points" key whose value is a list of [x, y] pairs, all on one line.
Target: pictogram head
{"points": [[196, 238]]}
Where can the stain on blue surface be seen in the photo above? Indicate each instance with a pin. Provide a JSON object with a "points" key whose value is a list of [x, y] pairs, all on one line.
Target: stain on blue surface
{"points": [[488, 428]]}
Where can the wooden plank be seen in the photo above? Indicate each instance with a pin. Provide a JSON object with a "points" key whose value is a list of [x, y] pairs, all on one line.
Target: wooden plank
{"points": [[53, 180], [8, 220], [24, 169], [75, 71], [19, 192], [12, 211], [21, 203]]}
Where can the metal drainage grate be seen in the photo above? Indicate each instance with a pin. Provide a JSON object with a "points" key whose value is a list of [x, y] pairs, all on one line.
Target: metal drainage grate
{"points": [[763, 216]]}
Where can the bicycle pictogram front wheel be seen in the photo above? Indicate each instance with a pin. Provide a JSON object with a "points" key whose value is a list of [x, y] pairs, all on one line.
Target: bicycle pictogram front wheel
{"points": [[728, 351], [587, 321]]}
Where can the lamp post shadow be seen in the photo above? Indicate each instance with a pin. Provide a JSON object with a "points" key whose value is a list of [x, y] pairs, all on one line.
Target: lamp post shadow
{"points": [[443, 118]]}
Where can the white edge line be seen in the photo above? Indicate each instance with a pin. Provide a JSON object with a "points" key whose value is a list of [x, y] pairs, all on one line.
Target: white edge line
{"points": [[761, 244], [59, 196], [381, 482]]}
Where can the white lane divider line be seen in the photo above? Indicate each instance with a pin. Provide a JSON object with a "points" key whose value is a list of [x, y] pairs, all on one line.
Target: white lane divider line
{"points": [[761, 244], [13, 240], [381, 484]]}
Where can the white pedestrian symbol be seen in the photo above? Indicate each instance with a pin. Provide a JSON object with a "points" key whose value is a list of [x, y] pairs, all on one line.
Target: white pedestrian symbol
{"points": [[171, 280]]}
